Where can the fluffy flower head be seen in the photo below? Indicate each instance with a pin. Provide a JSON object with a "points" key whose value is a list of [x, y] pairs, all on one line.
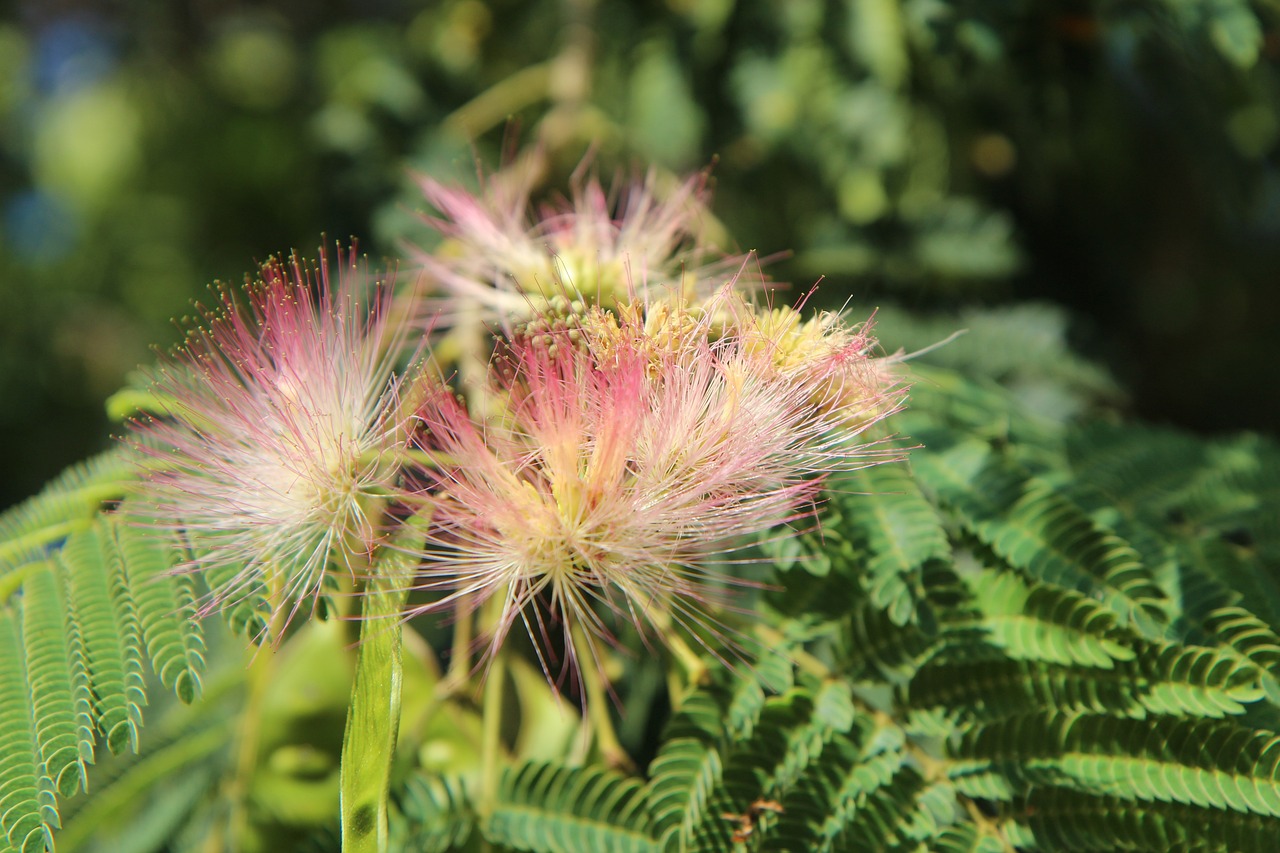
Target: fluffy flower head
{"points": [[626, 466], [502, 256], [283, 416]]}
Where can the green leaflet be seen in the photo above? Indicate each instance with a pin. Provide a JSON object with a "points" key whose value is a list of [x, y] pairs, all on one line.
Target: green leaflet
{"points": [[99, 603], [1033, 528], [1040, 622], [824, 808], [877, 530], [1214, 614], [168, 778], [786, 742], [1140, 469], [953, 404], [1061, 819], [1208, 763], [74, 666], [26, 796], [871, 643], [884, 512], [968, 838], [165, 606], [688, 768], [60, 696], [1238, 569], [1222, 496], [433, 815], [1165, 679], [571, 809], [814, 772], [249, 609]]}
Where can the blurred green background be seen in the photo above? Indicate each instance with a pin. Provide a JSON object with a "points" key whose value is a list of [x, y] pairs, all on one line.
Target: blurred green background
{"points": [[1090, 187]]}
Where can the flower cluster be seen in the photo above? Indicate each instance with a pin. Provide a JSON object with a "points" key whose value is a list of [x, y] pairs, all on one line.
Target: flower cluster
{"points": [[636, 421], [283, 420], [503, 258], [633, 457]]}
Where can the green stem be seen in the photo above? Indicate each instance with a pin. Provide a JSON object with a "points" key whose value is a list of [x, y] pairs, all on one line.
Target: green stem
{"points": [[491, 722], [36, 539], [262, 667], [460, 654], [606, 737], [498, 103], [775, 639], [694, 667], [373, 718], [372, 723]]}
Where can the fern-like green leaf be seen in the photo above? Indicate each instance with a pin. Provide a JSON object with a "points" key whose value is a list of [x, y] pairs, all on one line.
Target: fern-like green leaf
{"points": [[1213, 614], [820, 810], [900, 815], [77, 669], [1209, 763], [871, 645], [968, 838], [1029, 525], [1161, 679], [784, 746], [431, 815], [27, 811], [1062, 819], [545, 807], [1030, 621], [946, 403], [59, 690], [109, 630], [1140, 469], [897, 530], [1209, 489], [1238, 569], [689, 766], [165, 605], [139, 802], [249, 610]]}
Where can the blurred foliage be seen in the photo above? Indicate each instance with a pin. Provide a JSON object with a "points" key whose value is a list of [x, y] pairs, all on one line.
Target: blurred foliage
{"points": [[1116, 161], [1076, 183]]}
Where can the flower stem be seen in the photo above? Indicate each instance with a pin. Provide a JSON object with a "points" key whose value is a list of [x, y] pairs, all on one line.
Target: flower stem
{"points": [[693, 664], [606, 737], [373, 717], [495, 681], [262, 666], [690, 661], [372, 724], [460, 650], [775, 639]]}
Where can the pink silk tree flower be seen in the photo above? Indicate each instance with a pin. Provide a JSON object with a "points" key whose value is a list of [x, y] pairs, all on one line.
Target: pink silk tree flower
{"points": [[284, 419], [501, 256], [628, 466]]}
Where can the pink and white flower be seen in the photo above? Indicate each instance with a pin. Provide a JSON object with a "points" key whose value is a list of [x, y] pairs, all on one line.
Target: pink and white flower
{"points": [[283, 425], [630, 462], [502, 258]]}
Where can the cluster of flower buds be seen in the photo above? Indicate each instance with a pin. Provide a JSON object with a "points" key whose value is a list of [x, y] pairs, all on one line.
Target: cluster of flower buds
{"points": [[639, 417]]}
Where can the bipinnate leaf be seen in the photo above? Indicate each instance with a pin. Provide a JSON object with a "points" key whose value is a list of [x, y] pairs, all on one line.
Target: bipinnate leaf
{"points": [[572, 809]]}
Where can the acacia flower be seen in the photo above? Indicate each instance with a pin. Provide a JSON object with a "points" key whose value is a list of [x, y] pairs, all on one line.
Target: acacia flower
{"points": [[630, 464], [502, 257], [282, 426]]}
